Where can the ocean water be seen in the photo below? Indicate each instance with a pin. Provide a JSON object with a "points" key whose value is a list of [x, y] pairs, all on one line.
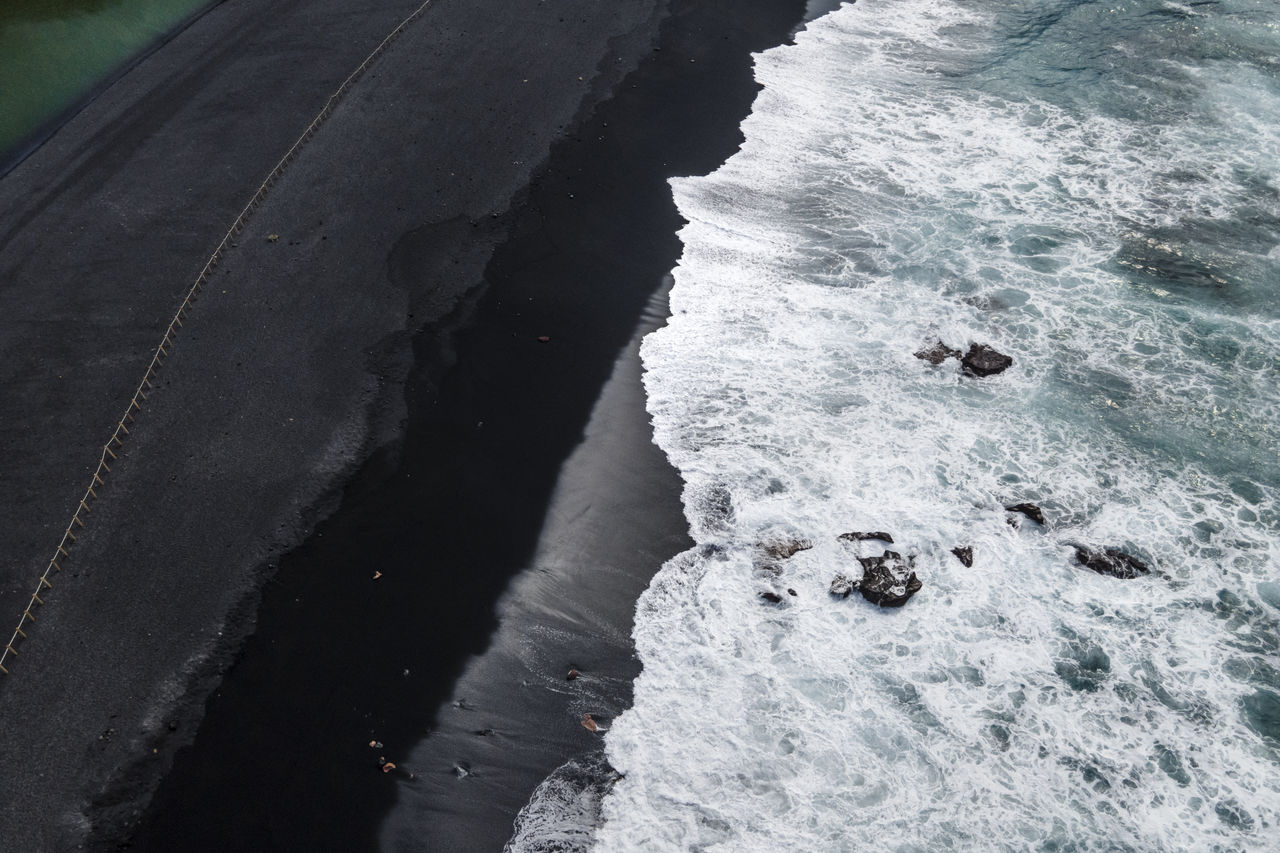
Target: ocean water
{"points": [[54, 52], [1091, 188]]}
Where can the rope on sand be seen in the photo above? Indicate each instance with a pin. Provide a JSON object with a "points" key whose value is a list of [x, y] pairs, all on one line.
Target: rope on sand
{"points": [[108, 456]]}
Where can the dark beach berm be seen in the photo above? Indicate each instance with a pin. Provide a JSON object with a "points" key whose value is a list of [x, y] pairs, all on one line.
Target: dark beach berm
{"points": [[496, 177]]}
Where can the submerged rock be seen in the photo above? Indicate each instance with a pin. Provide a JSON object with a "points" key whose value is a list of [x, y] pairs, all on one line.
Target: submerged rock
{"points": [[1262, 713], [713, 507], [887, 580], [782, 549], [771, 597], [863, 537], [937, 353], [982, 360], [964, 553], [1111, 561], [1084, 666], [1031, 511], [842, 586]]}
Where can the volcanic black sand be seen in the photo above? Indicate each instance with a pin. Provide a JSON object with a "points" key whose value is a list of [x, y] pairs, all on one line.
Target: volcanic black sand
{"points": [[497, 177]]}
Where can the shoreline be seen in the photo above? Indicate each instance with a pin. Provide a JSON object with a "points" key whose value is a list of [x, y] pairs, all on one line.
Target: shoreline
{"points": [[492, 414], [270, 397], [435, 144], [513, 713]]}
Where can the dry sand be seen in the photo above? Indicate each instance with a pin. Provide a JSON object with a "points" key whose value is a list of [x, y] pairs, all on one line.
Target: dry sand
{"points": [[466, 137]]}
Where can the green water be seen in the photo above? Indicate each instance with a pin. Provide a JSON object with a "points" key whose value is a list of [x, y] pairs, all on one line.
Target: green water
{"points": [[54, 52]]}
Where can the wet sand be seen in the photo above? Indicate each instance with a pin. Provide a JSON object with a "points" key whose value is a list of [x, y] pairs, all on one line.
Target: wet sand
{"points": [[381, 359]]}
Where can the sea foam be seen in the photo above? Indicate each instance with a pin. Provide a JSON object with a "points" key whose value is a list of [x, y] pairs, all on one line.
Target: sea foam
{"points": [[1093, 191]]}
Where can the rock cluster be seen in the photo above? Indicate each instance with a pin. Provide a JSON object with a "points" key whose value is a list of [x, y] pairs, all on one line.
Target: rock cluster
{"points": [[1031, 511], [1105, 560], [785, 549], [773, 552], [888, 580], [937, 353], [980, 359], [1111, 561], [841, 586], [864, 537]]}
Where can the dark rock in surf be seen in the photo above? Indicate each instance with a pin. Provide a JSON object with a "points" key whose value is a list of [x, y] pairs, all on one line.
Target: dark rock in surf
{"points": [[937, 353], [877, 535], [964, 553], [982, 360], [781, 550], [1031, 511], [887, 580], [771, 597], [1111, 561], [774, 552], [841, 586]]}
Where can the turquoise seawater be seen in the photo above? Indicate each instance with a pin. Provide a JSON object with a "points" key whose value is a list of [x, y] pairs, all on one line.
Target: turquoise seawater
{"points": [[55, 52], [1094, 189]]}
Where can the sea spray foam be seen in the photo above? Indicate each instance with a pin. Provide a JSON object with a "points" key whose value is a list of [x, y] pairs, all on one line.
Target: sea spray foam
{"points": [[1092, 189]]}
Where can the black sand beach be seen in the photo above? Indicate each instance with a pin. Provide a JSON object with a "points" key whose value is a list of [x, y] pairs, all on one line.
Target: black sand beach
{"points": [[498, 176]]}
